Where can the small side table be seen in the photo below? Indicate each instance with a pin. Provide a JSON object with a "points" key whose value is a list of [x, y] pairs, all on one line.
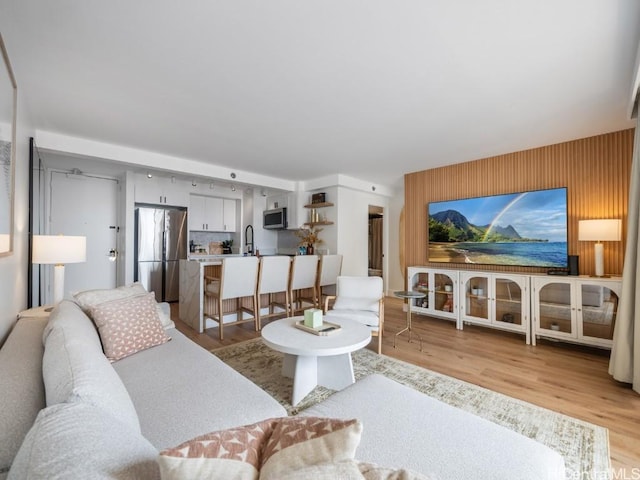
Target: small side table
{"points": [[36, 312], [408, 295]]}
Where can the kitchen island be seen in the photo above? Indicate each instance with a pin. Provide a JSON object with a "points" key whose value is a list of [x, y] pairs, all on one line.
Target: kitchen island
{"points": [[191, 298]]}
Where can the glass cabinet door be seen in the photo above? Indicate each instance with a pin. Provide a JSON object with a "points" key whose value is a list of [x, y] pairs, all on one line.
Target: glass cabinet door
{"points": [[443, 286], [420, 283], [555, 311], [597, 311], [508, 296], [476, 290]]}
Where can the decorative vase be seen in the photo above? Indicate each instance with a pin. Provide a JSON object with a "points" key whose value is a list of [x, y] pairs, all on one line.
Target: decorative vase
{"points": [[309, 249]]}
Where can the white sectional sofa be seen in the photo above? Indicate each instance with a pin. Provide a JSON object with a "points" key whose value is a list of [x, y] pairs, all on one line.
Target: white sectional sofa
{"points": [[70, 413]]}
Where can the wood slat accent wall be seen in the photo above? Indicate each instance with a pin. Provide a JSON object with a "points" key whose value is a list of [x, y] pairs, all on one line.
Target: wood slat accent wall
{"points": [[595, 170]]}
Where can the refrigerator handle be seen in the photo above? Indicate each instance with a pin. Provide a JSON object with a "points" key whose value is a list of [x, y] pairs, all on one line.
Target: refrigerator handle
{"points": [[164, 245]]}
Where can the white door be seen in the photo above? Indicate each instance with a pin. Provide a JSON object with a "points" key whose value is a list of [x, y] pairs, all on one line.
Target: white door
{"points": [[85, 205]]}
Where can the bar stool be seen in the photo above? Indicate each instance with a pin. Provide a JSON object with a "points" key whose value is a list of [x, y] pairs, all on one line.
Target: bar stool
{"points": [[328, 272], [304, 269], [238, 279], [273, 278]]}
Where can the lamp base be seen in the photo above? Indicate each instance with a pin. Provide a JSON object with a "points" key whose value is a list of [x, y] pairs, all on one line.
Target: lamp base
{"points": [[58, 283]]}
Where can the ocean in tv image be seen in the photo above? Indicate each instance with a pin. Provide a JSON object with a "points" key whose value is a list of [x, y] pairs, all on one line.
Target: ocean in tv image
{"points": [[524, 229]]}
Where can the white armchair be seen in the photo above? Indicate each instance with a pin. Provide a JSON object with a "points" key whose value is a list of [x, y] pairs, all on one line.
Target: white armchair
{"points": [[360, 299]]}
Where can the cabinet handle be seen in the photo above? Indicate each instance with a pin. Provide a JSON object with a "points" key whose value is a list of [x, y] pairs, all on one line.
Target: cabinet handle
{"points": [[160, 198]]}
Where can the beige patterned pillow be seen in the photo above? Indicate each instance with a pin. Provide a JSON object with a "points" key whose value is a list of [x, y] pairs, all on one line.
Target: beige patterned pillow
{"points": [[298, 442], [269, 449], [232, 453], [128, 325]]}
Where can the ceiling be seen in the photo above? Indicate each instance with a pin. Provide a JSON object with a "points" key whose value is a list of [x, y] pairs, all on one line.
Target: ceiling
{"points": [[304, 89]]}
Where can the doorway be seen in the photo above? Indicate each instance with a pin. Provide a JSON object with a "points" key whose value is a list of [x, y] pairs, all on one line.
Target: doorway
{"points": [[83, 204], [376, 247]]}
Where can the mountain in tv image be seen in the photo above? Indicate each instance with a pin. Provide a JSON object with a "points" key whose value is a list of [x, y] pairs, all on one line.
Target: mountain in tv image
{"points": [[452, 226], [516, 229]]}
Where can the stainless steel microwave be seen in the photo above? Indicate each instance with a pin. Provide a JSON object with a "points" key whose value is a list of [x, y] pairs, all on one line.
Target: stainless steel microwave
{"points": [[275, 219]]}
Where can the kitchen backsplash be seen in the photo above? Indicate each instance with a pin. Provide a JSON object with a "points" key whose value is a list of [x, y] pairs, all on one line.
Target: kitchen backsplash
{"points": [[204, 238]]}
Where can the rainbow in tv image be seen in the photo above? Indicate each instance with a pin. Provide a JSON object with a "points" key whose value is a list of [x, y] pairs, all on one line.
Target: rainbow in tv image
{"points": [[523, 229]]}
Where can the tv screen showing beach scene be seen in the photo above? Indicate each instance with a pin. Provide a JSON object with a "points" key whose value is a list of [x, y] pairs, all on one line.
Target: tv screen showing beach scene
{"points": [[519, 229]]}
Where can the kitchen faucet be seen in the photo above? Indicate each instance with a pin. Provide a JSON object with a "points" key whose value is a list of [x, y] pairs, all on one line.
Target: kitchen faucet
{"points": [[248, 244]]}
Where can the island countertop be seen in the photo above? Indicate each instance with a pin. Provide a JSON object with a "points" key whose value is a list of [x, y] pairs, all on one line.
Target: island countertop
{"points": [[192, 288]]}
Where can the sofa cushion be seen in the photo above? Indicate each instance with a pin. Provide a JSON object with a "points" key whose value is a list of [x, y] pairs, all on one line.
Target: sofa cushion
{"points": [[128, 325], [352, 303], [78, 440], [204, 387], [88, 299], [68, 316], [365, 317], [482, 449], [21, 384], [271, 449], [75, 368]]}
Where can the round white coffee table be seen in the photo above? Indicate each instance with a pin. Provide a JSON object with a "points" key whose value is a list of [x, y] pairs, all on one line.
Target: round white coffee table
{"points": [[313, 360]]}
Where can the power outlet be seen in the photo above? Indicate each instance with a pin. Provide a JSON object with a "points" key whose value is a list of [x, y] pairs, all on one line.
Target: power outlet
{"points": [[405, 307]]}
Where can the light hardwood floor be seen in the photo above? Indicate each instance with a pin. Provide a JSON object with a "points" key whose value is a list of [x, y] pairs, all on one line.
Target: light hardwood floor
{"points": [[568, 379]]}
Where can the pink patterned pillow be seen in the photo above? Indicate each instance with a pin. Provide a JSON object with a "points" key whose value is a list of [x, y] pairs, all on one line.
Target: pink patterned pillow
{"points": [[269, 449], [128, 325]]}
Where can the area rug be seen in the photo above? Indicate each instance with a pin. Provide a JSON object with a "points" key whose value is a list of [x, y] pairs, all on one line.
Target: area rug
{"points": [[584, 446]]}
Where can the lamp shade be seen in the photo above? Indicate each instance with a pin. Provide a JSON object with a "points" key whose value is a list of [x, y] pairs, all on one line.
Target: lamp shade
{"points": [[604, 230], [59, 249]]}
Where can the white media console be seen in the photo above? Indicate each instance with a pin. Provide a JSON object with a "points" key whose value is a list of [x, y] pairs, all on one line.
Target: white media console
{"points": [[578, 309]]}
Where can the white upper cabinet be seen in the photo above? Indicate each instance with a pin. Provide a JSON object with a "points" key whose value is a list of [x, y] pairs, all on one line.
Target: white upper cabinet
{"points": [[229, 215], [212, 214], [160, 191]]}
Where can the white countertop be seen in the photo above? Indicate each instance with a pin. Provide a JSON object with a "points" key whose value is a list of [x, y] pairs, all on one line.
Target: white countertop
{"points": [[204, 258]]}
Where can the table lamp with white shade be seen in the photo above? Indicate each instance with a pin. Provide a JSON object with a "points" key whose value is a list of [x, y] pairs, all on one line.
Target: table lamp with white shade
{"points": [[601, 230], [59, 250]]}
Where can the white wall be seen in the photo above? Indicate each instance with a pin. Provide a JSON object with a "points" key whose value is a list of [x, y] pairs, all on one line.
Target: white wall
{"points": [[395, 275], [353, 229], [13, 268]]}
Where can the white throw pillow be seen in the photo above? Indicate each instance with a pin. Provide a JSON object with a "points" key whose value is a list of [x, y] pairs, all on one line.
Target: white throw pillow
{"points": [[88, 299]]}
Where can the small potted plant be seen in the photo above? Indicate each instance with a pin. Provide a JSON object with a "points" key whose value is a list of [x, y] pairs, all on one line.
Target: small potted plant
{"points": [[226, 246], [309, 238]]}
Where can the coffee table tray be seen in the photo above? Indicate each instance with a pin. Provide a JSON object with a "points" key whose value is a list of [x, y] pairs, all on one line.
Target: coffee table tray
{"points": [[327, 328]]}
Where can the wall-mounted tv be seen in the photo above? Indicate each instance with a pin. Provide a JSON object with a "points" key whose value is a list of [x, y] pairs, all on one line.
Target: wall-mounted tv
{"points": [[518, 229]]}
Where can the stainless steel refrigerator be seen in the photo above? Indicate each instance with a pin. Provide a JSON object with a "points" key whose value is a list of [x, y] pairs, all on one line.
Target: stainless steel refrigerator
{"points": [[160, 244]]}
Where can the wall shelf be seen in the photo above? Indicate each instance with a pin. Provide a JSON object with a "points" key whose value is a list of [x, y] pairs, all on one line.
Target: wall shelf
{"points": [[319, 205], [314, 215], [313, 224]]}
